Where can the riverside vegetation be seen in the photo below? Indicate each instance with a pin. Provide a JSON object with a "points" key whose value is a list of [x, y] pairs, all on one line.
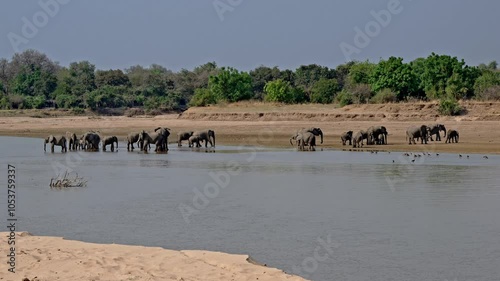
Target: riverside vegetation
{"points": [[31, 80]]}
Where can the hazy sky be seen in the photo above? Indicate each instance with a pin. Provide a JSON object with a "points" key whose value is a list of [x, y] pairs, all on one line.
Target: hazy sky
{"points": [[247, 33]]}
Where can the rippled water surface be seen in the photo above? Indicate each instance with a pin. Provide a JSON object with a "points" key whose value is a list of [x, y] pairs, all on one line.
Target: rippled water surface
{"points": [[437, 218]]}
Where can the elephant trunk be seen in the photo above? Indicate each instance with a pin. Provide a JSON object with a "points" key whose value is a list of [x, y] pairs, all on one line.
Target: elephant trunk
{"points": [[213, 139], [321, 134], [444, 130]]}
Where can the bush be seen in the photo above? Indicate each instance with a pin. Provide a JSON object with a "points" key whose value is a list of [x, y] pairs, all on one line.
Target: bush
{"points": [[324, 91], [202, 97], [131, 112], [78, 111], [449, 106], [384, 96], [491, 93], [16, 101], [281, 91], [344, 98], [4, 103], [361, 93]]}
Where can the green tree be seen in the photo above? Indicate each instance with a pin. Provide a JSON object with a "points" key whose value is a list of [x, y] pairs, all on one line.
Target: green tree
{"points": [[307, 75], [324, 90], [360, 73], [395, 75], [439, 72], [282, 91], [203, 97], [261, 75], [231, 85], [111, 78], [487, 86]]}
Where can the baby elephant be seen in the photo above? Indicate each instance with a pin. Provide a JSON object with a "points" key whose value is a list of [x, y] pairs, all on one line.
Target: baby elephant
{"points": [[452, 136], [194, 140], [345, 137]]}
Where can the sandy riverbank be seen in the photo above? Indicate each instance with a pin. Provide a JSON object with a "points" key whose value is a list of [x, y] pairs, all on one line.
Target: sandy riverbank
{"points": [[271, 125], [54, 258]]}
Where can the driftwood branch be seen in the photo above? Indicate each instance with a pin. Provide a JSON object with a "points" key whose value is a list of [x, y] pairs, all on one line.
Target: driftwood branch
{"points": [[67, 181]]}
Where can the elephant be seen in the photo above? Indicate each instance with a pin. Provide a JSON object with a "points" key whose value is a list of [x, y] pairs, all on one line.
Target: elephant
{"points": [[109, 141], [452, 137], [159, 137], [357, 141], [315, 131], [306, 139], [131, 139], [92, 140], [373, 135], [72, 141], [345, 137], [59, 141], [206, 136], [434, 129], [194, 140], [417, 132], [182, 136]]}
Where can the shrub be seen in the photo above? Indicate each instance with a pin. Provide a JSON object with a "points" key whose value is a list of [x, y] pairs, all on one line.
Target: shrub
{"points": [[131, 112], [384, 96], [491, 93], [77, 111], [344, 98], [4, 103], [449, 106], [16, 101], [280, 91], [202, 97], [361, 93], [324, 90]]}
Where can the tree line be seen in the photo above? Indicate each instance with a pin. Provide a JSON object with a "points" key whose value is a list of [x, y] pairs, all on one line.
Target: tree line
{"points": [[32, 80]]}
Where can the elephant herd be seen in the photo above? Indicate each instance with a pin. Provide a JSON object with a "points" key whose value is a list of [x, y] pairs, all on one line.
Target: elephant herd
{"points": [[305, 138], [93, 140]]}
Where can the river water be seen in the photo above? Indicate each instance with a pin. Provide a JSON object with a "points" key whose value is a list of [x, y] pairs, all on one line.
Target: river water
{"points": [[325, 215]]}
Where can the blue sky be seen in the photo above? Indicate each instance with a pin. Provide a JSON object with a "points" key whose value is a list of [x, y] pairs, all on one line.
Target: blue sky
{"points": [[285, 33]]}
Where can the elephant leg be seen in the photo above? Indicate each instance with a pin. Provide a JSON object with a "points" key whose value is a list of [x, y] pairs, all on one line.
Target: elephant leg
{"points": [[112, 147], [52, 148]]}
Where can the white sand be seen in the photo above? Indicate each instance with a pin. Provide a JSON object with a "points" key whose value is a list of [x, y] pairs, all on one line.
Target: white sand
{"points": [[54, 258]]}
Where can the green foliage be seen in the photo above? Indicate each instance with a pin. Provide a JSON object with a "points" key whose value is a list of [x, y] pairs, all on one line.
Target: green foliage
{"points": [[384, 96], [324, 90], [66, 101], [35, 102], [307, 75], [4, 102], [111, 78], [360, 72], [443, 75], [261, 75], [231, 85], [395, 75], [484, 84], [32, 80], [107, 96], [203, 97], [449, 106], [280, 91], [344, 98]]}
